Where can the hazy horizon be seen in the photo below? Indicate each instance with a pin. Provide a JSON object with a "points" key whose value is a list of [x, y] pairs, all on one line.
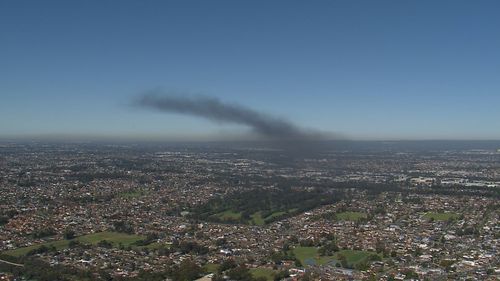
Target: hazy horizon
{"points": [[208, 138], [384, 70]]}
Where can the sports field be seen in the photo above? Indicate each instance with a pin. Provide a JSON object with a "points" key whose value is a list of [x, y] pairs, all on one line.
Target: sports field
{"points": [[114, 237]]}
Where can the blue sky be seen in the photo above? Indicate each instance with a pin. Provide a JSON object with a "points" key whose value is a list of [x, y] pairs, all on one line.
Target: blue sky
{"points": [[364, 69]]}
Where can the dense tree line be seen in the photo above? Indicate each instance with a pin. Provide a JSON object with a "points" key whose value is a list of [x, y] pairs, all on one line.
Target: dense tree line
{"points": [[6, 215], [187, 247], [44, 232], [266, 201], [230, 270], [123, 227], [36, 269]]}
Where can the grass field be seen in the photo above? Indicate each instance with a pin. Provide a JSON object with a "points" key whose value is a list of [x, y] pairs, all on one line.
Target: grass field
{"points": [[114, 237], [354, 257], [229, 215], [441, 216], [257, 219], [60, 244], [263, 272], [211, 267], [275, 214], [133, 194], [350, 216], [309, 255], [256, 272]]}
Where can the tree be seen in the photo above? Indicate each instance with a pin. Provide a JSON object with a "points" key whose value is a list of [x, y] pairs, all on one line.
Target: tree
{"points": [[227, 264], [380, 247], [187, 271], [69, 234], [306, 243], [286, 247], [281, 275], [73, 244], [221, 242], [306, 277], [218, 277], [410, 274], [45, 232], [343, 261], [328, 249], [240, 273], [3, 220], [124, 227], [105, 244]]}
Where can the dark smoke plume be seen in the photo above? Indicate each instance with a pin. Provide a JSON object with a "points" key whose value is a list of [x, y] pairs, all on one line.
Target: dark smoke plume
{"points": [[213, 109]]}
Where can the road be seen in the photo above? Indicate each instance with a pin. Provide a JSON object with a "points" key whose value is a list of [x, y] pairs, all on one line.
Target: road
{"points": [[11, 263]]}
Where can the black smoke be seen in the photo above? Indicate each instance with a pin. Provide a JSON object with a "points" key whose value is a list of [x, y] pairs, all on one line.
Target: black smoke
{"points": [[264, 125]]}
